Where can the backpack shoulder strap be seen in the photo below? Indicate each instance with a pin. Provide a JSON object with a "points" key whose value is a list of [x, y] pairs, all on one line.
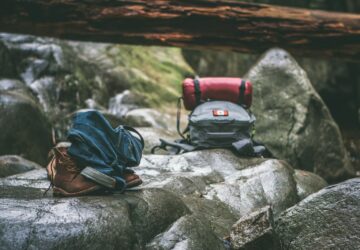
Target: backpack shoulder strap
{"points": [[177, 147], [197, 90], [136, 132], [249, 147]]}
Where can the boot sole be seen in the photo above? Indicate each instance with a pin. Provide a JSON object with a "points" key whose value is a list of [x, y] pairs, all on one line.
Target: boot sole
{"points": [[62, 193], [134, 183], [99, 177]]}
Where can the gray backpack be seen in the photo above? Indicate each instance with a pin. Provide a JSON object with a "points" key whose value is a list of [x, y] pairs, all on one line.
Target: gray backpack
{"points": [[217, 124]]}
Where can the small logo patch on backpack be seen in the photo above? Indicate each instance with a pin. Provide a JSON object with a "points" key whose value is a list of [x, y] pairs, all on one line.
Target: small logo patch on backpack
{"points": [[218, 112]]}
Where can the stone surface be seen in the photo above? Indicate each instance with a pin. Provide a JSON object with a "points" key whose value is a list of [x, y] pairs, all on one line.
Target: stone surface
{"points": [[255, 231], [242, 184], [11, 84], [328, 219], [25, 130], [154, 73], [146, 117], [292, 119], [268, 183], [189, 232], [13, 164], [122, 103], [6, 62], [219, 216], [307, 183], [179, 205], [118, 221]]}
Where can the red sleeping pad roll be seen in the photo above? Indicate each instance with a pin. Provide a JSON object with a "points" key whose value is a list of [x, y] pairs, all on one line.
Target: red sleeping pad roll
{"points": [[229, 89]]}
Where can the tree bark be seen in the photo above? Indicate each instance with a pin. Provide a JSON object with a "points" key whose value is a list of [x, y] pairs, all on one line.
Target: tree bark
{"points": [[208, 24]]}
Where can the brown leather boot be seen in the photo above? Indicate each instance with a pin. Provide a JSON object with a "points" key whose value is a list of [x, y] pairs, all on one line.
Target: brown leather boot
{"points": [[65, 175]]}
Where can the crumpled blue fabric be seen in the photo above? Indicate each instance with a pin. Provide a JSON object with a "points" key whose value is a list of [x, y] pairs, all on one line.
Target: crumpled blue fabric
{"points": [[95, 143]]}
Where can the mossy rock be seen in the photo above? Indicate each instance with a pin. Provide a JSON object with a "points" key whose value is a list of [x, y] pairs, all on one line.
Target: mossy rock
{"points": [[153, 73]]}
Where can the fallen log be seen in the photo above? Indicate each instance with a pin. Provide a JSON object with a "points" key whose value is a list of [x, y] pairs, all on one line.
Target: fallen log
{"points": [[209, 24]]}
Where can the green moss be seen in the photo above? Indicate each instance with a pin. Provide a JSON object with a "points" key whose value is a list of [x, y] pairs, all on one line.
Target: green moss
{"points": [[157, 71], [100, 71]]}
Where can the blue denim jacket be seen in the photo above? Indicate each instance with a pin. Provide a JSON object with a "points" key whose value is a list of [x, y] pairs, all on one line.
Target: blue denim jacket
{"points": [[96, 144]]}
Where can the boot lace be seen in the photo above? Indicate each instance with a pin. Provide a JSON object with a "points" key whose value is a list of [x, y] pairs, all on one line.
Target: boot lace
{"points": [[60, 158], [64, 160]]}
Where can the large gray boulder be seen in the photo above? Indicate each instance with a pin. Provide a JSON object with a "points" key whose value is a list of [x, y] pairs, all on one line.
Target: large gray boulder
{"points": [[30, 221], [244, 185], [328, 219], [252, 188], [25, 130], [189, 232], [292, 119], [177, 207]]}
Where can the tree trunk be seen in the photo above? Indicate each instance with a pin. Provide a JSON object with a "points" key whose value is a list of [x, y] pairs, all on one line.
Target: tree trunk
{"points": [[208, 24]]}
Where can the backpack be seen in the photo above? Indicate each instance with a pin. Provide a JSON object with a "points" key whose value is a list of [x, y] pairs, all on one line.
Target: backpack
{"points": [[220, 117], [103, 151], [217, 124]]}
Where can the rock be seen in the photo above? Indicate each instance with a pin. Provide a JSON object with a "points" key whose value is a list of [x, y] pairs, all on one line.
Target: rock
{"points": [[307, 183], [124, 221], [124, 102], [24, 129], [270, 182], [336, 83], [292, 119], [92, 104], [13, 164], [152, 211], [152, 73], [328, 219], [255, 231], [177, 207], [11, 84], [187, 233], [45, 67], [207, 166], [219, 216], [36, 180], [244, 185], [6, 62], [146, 118]]}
